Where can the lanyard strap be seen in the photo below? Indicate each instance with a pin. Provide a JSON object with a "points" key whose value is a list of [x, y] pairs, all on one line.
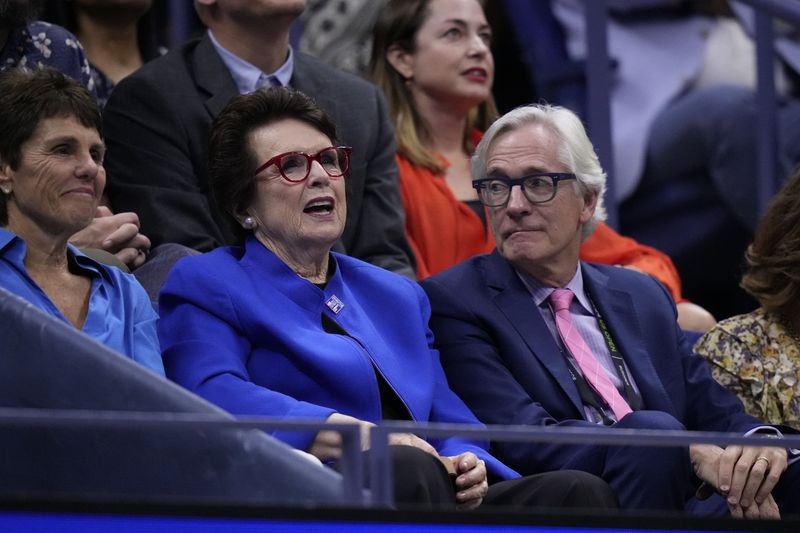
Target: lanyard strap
{"points": [[633, 398], [588, 395]]}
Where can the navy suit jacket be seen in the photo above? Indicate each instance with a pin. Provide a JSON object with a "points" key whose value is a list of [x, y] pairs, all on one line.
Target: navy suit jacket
{"points": [[157, 124], [502, 360]]}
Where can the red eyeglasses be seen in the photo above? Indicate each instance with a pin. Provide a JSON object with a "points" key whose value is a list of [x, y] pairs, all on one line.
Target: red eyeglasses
{"points": [[296, 166]]}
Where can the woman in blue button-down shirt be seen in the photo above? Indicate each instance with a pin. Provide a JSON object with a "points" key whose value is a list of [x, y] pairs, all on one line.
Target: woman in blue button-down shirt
{"points": [[51, 181]]}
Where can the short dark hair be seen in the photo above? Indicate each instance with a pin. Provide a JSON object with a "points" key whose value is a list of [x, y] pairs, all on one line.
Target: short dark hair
{"points": [[27, 97], [773, 259], [232, 163]]}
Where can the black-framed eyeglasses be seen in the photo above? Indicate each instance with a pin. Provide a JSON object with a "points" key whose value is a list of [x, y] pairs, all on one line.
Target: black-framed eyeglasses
{"points": [[296, 166], [494, 191]]}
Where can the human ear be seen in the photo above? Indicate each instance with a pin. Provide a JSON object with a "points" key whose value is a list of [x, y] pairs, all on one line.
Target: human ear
{"points": [[589, 206], [6, 185], [401, 61]]}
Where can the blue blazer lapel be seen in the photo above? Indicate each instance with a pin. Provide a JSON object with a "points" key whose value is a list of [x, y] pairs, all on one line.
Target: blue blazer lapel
{"points": [[515, 302], [619, 311]]}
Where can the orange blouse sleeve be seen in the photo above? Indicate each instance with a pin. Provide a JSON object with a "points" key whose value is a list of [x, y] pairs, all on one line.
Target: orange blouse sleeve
{"points": [[608, 247]]}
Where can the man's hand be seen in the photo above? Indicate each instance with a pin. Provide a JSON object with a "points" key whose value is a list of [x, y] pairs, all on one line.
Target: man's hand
{"points": [[767, 510], [117, 234], [749, 473], [745, 475], [471, 483]]}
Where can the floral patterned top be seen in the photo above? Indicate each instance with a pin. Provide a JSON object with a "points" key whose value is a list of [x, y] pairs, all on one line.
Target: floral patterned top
{"points": [[43, 44], [754, 356]]}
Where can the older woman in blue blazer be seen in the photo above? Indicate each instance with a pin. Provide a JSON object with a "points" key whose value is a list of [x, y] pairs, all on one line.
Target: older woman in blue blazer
{"points": [[282, 326]]}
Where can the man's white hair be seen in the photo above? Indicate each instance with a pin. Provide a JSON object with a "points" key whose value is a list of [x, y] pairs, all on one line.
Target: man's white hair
{"points": [[575, 150]]}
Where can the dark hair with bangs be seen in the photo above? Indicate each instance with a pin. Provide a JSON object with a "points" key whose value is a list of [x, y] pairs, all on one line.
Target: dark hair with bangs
{"points": [[27, 97], [231, 161]]}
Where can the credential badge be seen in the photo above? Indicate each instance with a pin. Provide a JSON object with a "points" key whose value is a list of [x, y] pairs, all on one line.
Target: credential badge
{"points": [[334, 304]]}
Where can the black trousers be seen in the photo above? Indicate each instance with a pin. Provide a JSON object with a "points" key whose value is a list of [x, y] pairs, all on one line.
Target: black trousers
{"points": [[421, 481]]}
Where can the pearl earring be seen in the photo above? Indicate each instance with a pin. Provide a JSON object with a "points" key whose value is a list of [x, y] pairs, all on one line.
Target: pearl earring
{"points": [[248, 223], [5, 190]]}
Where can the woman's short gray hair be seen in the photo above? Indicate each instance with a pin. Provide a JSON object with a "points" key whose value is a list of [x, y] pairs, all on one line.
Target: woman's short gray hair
{"points": [[576, 152]]}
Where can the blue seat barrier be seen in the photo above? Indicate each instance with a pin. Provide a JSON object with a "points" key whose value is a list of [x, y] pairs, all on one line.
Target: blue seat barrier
{"points": [[155, 426], [380, 464], [46, 364]]}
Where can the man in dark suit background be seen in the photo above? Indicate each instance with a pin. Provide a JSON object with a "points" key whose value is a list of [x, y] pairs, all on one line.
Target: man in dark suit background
{"points": [[158, 119], [519, 349]]}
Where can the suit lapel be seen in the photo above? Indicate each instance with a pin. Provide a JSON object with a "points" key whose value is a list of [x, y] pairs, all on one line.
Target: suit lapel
{"points": [[306, 78], [212, 76], [516, 303], [617, 307]]}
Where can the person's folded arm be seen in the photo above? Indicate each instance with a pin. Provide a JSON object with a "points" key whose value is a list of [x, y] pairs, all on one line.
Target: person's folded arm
{"points": [[205, 351]]}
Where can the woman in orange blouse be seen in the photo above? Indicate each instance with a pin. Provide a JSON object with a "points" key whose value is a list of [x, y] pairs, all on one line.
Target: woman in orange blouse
{"points": [[433, 61]]}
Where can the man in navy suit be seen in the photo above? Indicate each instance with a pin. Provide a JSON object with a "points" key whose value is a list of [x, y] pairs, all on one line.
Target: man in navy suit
{"points": [[611, 354], [157, 123]]}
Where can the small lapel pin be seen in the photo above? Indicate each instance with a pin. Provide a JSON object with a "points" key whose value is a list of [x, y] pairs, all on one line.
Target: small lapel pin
{"points": [[334, 304]]}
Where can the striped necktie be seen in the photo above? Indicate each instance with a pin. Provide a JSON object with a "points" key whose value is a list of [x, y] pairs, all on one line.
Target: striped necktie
{"points": [[592, 370]]}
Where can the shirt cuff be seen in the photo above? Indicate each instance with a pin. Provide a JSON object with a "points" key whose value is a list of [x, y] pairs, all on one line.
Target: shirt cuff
{"points": [[772, 432]]}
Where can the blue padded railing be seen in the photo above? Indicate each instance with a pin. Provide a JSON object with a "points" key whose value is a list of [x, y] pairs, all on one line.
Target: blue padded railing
{"points": [[380, 464], [381, 494], [788, 10], [598, 96], [61, 381], [155, 424]]}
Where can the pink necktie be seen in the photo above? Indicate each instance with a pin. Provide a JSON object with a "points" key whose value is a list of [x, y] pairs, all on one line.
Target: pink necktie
{"points": [[590, 366]]}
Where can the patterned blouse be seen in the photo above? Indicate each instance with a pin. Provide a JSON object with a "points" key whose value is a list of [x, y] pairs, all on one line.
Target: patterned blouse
{"points": [[43, 44], [755, 357]]}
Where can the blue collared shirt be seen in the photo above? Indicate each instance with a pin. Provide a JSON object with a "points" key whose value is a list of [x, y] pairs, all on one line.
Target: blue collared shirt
{"points": [[247, 76], [120, 314], [585, 322]]}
